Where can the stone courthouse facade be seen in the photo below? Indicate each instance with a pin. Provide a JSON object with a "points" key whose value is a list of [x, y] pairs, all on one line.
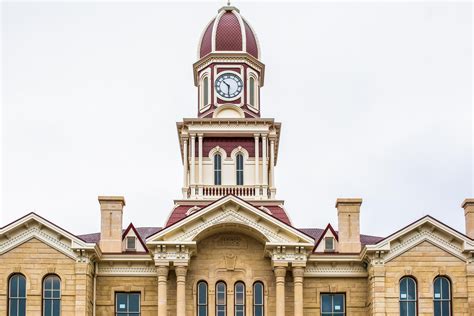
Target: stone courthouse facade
{"points": [[228, 246]]}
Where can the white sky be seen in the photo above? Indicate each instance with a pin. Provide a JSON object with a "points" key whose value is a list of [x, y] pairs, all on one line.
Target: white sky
{"points": [[375, 101]]}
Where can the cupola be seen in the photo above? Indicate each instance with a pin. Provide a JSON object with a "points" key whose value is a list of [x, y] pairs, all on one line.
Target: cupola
{"points": [[228, 32]]}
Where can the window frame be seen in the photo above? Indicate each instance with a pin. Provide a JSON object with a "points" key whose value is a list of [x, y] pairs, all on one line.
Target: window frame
{"points": [[333, 312], [254, 304], [217, 305], [239, 171], [128, 312], [16, 298], [217, 171], [238, 283], [206, 295], [134, 238], [407, 301], [45, 300], [326, 243], [441, 300]]}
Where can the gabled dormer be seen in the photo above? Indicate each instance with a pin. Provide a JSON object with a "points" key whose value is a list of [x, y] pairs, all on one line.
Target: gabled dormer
{"points": [[131, 241], [328, 242]]}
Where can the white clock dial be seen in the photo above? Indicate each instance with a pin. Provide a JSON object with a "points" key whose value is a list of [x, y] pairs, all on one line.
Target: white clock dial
{"points": [[228, 86]]}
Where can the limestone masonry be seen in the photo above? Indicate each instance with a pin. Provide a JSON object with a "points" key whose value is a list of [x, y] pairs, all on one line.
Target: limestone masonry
{"points": [[228, 246]]}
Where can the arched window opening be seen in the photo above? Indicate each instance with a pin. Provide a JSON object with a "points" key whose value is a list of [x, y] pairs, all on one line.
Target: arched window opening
{"points": [[51, 296], [252, 91], [442, 296], [240, 168], [221, 299], [408, 297], [217, 169], [205, 91], [202, 298], [17, 295], [239, 299], [258, 300]]}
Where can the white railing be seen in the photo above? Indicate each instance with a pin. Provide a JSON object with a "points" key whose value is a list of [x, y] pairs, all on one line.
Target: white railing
{"points": [[216, 191]]}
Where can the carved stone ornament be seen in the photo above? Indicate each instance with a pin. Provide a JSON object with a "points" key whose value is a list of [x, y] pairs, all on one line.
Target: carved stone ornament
{"points": [[230, 260]]}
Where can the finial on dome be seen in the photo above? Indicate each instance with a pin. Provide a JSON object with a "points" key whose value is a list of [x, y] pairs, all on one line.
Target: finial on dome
{"points": [[229, 7], [228, 3]]}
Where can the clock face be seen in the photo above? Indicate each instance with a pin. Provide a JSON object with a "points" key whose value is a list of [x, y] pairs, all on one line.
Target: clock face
{"points": [[229, 85]]}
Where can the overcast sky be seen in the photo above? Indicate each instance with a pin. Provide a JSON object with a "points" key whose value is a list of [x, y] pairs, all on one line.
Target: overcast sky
{"points": [[375, 101]]}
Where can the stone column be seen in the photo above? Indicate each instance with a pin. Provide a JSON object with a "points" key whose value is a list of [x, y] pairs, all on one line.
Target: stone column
{"points": [[185, 168], [181, 290], [162, 272], [257, 174], [264, 160], [298, 273], [83, 272], [377, 290], [200, 136], [470, 285], [272, 167], [280, 273], [192, 165]]}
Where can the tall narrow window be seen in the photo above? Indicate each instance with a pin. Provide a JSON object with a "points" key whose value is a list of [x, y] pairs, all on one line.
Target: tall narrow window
{"points": [[127, 304], [258, 301], [442, 296], [240, 169], [17, 295], [252, 91], [217, 169], [221, 299], [408, 297], [333, 304], [239, 299], [202, 298], [205, 91], [51, 296]]}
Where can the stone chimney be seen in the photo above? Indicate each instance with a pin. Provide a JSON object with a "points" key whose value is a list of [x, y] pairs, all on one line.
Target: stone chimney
{"points": [[348, 211], [111, 211], [468, 206]]}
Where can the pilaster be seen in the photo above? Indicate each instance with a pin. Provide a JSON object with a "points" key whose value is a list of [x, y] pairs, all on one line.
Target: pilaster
{"points": [[377, 289], [298, 277], [162, 272], [280, 273], [181, 290]]}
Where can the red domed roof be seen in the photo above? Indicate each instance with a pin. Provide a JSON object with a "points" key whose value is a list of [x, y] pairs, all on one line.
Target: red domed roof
{"points": [[228, 32]]}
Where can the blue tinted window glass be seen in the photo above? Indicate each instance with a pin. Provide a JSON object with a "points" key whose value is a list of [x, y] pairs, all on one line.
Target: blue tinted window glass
{"points": [[326, 304]]}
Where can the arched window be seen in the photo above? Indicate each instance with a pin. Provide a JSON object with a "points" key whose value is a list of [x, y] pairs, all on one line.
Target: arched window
{"points": [[17, 295], [202, 298], [217, 169], [239, 299], [51, 296], [252, 91], [240, 169], [442, 296], [408, 297], [258, 300], [221, 299], [205, 91]]}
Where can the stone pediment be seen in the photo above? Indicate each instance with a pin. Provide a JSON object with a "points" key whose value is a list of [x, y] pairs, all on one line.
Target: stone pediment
{"points": [[231, 212], [34, 226], [425, 229]]}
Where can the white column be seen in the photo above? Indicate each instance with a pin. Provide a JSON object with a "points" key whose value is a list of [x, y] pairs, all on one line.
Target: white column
{"points": [[185, 168], [272, 167], [264, 160], [192, 165], [200, 163], [162, 290], [280, 273], [257, 174]]}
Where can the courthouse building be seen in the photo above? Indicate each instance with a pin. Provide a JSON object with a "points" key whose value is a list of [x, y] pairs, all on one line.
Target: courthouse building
{"points": [[228, 246]]}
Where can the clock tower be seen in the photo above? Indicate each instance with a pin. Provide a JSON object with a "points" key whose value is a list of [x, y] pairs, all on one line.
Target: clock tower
{"points": [[229, 73], [229, 149]]}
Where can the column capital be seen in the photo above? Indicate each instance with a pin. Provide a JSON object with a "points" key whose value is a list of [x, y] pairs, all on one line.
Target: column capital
{"points": [[279, 271], [256, 136], [298, 272], [264, 135], [200, 135], [162, 270], [192, 135], [181, 271]]}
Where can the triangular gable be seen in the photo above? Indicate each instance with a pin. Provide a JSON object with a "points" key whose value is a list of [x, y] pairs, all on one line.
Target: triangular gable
{"points": [[34, 226], [328, 231], [428, 229], [231, 209], [127, 232]]}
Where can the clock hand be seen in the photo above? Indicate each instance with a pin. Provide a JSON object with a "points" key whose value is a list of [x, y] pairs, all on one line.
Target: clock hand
{"points": [[228, 87]]}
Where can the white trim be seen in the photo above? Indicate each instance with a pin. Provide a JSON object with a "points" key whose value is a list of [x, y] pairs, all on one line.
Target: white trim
{"points": [[205, 74], [253, 74], [202, 37], [255, 35], [214, 30], [216, 150], [242, 30], [241, 150]]}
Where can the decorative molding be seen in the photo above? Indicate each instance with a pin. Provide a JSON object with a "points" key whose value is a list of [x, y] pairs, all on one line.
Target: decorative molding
{"points": [[335, 269], [127, 270], [42, 235]]}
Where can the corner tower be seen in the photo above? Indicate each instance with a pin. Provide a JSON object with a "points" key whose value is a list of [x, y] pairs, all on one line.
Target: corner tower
{"points": [[229, 148]]}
